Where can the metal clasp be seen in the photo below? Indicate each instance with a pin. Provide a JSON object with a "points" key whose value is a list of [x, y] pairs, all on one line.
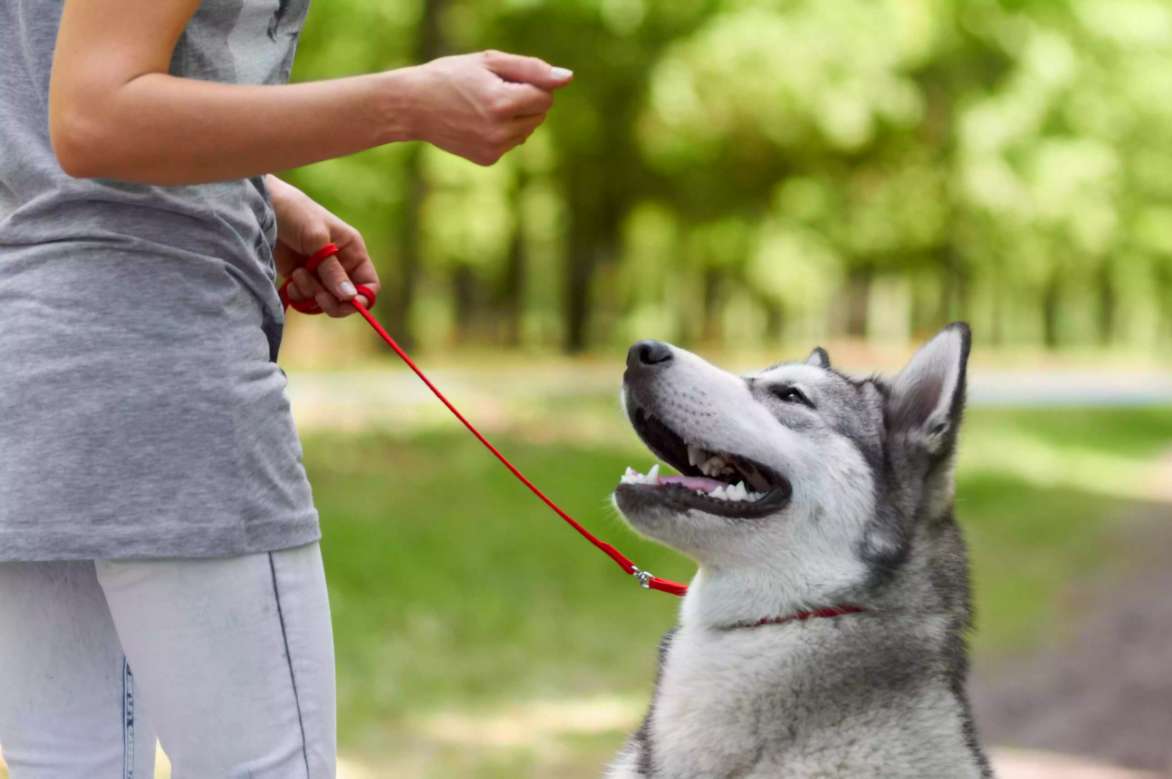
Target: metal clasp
{"points": [[644, 578]]}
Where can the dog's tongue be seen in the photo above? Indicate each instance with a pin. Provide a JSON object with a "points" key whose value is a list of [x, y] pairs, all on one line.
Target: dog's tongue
{"points": [[699, 483]]}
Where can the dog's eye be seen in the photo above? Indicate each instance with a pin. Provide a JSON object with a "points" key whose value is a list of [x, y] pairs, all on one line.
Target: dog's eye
{"points": [[791, 395]]}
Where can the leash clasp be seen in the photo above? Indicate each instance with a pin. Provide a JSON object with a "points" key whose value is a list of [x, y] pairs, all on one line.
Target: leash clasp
{"points": [[644, 578]]}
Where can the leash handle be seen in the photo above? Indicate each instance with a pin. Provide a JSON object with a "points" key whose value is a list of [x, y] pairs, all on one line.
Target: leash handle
{"points": [[646, 579], [309, 305]]}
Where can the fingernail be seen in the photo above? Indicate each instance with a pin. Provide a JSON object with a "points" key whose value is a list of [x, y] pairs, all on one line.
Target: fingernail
{"points": [[561, 74], [347, 289]]}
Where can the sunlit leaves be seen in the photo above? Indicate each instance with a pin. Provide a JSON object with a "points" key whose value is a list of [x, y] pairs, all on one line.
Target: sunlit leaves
{"points": [[748, 160], [809, 73]]}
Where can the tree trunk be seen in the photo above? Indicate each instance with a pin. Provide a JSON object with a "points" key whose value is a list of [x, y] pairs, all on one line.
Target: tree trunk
{"points": [[511, 294], [954, 295], [409, 253], [711, 330], [580, 259], [923, 305], [774, 322], [429, 45], [997, 332], [464, 308], [858, 298], [1051, 304], [1108, 300], [1163, 274], [594, 234]]}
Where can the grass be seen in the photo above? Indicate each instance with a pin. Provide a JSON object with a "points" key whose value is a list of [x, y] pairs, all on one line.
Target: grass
{"points": [[452, 585], [453, 589]]}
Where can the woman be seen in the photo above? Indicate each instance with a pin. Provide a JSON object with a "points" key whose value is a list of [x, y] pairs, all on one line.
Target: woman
{"points": [[159, 565]]}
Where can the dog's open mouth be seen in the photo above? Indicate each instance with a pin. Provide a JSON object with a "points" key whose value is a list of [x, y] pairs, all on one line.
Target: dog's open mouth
{"points": [[722, 483]]}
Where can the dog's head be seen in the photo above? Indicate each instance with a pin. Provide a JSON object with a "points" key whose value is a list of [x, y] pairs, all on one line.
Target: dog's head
{"points": [[798, 476]]}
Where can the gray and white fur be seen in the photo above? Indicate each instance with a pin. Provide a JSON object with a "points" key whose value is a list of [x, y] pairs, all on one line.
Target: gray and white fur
{"points": [[849, 500]]}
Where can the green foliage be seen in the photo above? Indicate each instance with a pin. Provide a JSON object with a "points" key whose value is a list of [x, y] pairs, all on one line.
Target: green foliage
{"points": [[783, 165]]}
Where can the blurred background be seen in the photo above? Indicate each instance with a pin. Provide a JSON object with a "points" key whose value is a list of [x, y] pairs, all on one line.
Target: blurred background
{"points": [[746, 173], [747, 179]]}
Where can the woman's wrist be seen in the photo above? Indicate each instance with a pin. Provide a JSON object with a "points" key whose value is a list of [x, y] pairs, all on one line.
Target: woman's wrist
{"points": [[280, 192], [395, 100]]}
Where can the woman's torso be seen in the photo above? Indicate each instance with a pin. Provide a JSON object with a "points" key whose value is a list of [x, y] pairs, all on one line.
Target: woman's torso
{"points": [[141, 412], [230, 41]]}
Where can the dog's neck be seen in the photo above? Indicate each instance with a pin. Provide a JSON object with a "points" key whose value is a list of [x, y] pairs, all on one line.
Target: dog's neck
{"points": [[724, 599], [786, 701]]}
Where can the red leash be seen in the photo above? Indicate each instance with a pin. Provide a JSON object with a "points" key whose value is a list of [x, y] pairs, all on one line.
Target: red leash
{"points": [[646, 578]]}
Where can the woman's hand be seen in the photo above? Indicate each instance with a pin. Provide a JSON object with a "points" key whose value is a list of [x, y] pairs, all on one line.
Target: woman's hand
{"points": [[303, 227], [480, 106]]}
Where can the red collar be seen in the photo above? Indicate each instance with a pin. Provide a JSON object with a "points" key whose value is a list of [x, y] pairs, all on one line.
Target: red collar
{"points": [[802, 616]]}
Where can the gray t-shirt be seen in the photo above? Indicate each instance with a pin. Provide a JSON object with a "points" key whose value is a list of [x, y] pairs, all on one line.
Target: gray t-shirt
{"points": [[142, 413]]}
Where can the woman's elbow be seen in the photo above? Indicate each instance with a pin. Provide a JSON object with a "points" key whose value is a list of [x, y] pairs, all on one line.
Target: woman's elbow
{"points": [[77, 142]]}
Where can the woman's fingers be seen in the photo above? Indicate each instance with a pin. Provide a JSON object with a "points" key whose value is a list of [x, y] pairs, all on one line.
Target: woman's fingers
{"points": [[526, 70], [337, 285], [525, 100], [524, 126], [308, 287], [336, 288], [355, 261], [304, 285], [334, 278]]}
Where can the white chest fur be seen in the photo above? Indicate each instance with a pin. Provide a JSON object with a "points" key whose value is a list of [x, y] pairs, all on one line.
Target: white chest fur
{"points": [[758, 703]]}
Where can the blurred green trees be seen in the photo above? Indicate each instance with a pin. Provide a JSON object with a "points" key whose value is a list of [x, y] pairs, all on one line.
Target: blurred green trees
{"points": [[742, 171]]}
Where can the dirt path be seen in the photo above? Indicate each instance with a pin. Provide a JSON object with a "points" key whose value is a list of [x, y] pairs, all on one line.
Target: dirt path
{"points": [[1105, 690]]}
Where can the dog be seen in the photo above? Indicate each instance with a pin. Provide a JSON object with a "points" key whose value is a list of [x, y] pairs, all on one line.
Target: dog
{"points": [[824, 633]]}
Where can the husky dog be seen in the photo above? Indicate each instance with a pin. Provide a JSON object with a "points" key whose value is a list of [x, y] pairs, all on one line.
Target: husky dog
{"points": [[824, 633]]}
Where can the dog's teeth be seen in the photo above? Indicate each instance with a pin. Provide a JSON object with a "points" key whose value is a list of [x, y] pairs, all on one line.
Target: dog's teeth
{"points": [[713, 466], [631, 476], [695, 455]]}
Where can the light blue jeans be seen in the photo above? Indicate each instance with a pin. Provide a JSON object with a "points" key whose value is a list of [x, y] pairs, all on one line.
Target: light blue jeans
{"points": [[228, 662]]}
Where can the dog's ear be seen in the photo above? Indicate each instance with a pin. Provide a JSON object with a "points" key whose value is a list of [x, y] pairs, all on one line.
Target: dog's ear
{"points": [[818, 358], [926, 400]]}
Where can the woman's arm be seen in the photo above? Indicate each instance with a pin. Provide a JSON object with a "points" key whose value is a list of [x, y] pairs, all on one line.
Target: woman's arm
{"points": [[116, 112]]}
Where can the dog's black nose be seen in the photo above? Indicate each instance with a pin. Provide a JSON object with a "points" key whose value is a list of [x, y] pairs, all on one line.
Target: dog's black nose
{"points": [[646, 353]]}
